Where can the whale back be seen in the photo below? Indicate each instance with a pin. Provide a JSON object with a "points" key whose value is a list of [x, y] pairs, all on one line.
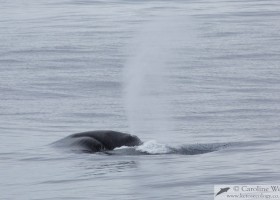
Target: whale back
{"points": [[93, 141]]}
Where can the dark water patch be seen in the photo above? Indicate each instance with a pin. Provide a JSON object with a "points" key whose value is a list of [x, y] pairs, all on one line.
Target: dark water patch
{"points": [[198, 149], [42, 159], [46, 52], [9, 62], [93, 115], [63, 181], [85, 2]]}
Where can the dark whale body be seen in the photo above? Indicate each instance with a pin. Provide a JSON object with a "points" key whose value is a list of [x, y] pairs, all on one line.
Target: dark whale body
{"points": [[95, 141]]}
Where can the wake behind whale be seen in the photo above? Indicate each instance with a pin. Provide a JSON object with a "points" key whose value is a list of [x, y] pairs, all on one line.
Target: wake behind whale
{"points": [[117, 143], [154, 148]]}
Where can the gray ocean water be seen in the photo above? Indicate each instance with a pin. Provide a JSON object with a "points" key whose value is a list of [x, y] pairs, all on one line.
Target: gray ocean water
{"points": [[204, 75]]}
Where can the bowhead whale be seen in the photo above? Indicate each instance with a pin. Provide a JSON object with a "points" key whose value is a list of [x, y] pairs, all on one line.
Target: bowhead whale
{"points": [[106, 140], [95, 141]]}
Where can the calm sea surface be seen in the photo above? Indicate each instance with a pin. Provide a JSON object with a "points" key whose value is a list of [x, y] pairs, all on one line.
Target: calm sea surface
{"points": [[195, 73]]}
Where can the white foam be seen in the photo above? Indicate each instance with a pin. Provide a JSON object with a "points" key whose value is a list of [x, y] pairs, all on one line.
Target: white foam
{"points": [[153, 147], [123, 147]]}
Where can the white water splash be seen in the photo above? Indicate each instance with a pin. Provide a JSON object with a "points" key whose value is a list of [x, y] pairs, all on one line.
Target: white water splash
{"points": [[153, 147]]}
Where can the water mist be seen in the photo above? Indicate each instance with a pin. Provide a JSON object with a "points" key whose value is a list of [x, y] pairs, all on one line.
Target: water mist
{"points": [[147, 86]]}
